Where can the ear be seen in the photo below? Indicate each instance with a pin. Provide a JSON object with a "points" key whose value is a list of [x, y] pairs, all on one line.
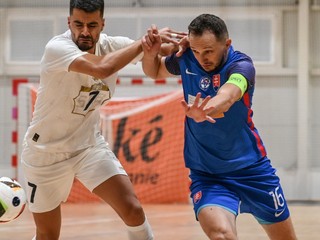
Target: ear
{"points": [[103, 23], [228, 42], [69, 21]]}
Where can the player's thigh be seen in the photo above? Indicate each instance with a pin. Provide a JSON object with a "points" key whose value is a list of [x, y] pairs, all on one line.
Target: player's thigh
{"points": [[102, 173], [118, 192], [216, 208], [217, 221], [48, 223], [280, 231]]}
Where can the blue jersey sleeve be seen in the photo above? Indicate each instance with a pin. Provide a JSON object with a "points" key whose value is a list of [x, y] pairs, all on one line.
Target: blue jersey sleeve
{"points": [[172, 64]]}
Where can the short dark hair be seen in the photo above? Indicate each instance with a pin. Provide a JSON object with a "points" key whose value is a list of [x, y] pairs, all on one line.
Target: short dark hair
{"points": [[209, 22], [87, 6]]}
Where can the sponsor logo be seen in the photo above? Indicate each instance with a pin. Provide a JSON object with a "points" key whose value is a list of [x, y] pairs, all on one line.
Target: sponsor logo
{"points": [[190, 73], [278, 214], [197, 197], [191, 99], [35, 137], [204, 83]]}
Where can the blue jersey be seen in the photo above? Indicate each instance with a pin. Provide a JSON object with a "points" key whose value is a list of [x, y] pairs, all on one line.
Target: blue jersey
{"points": [[231, 143]]}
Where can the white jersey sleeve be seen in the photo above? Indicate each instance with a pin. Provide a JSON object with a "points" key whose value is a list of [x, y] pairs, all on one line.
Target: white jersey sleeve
{"points": [[59, 53]]}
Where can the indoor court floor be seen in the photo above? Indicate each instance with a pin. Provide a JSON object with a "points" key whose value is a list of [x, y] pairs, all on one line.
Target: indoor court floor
{"points": [[97, 221]]}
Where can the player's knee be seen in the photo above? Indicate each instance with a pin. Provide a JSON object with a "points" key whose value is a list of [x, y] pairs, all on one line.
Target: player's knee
{"points": [[221, 233], [221, 236], [135, 210], [134, 214]]}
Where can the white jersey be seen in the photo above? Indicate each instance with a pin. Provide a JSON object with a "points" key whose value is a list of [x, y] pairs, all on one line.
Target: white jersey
{"points": [[66, 116]]}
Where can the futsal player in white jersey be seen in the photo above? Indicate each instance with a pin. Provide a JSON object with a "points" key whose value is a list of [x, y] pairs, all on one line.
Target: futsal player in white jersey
{"points": [[63, 142]]}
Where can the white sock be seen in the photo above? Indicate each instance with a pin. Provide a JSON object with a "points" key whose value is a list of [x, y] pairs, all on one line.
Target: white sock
{"points": [[142, 232]]}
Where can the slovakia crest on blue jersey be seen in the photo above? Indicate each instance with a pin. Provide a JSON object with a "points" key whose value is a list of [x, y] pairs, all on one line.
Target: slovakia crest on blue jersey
{"points": [[216, 82], [204, 83], [197, 197]]}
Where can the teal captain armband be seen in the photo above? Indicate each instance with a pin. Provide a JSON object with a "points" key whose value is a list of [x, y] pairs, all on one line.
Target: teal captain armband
{"points": [[240, 81]]}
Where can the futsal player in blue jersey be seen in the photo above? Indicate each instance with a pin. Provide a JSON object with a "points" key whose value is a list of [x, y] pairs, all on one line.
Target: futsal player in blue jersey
{"points": [[228, 163]]}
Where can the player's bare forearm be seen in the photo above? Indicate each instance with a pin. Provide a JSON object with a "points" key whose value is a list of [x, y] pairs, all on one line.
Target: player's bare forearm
{"points": [[225, 98], [151, 44], [216, 114], [218, 105], [104, 66], [154, 49], [116, 60], [168, 49], [151, 65]]}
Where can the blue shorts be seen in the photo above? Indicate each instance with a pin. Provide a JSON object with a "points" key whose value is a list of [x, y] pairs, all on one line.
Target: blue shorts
{"points": [[255, 189]]}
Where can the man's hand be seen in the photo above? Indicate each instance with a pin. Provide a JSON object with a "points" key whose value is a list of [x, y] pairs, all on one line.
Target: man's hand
{"points": [[171, 41], [196, 111], [179, 39], [169, 35], [183, 45], [151, 42]]}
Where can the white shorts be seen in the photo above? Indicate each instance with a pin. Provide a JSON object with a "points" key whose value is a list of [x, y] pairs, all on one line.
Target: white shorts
{"points": [[49, 176]]}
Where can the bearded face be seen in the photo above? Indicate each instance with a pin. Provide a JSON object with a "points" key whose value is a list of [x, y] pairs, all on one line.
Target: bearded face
{"points": [[85, 28]]}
